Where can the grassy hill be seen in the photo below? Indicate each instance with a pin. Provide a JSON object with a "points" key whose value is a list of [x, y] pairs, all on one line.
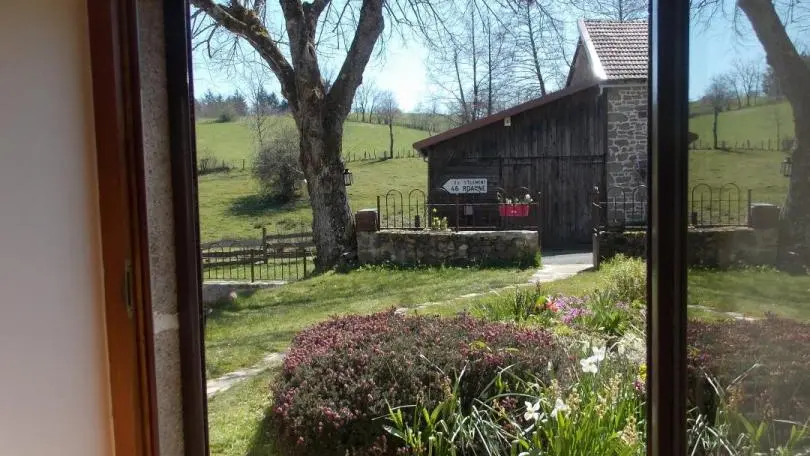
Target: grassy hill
{"points": [[233, 141], [230, 205], [757, 124]]}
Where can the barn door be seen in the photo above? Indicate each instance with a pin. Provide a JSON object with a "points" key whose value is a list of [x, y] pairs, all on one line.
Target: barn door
{"points": [[566, 183]]}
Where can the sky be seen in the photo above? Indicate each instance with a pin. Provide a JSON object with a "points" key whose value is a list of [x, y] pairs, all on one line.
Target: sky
{"points": [[713, 50]]}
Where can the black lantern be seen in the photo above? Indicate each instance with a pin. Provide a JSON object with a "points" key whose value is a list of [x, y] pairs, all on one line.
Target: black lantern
{"points": [[347, 177], [787, 167]]}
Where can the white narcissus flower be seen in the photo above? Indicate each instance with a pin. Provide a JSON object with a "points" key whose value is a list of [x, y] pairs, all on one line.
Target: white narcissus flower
{"points": [[559, 406], [599, 353], [532, 411], [588, 365]]}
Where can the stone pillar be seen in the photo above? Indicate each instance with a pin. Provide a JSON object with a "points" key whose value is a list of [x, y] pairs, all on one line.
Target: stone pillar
{"points": [[366, 223], [626, 164]]}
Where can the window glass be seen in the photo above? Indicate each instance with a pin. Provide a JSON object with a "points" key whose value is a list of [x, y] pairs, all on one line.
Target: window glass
{"points": [[749, 227], [423, 225]]}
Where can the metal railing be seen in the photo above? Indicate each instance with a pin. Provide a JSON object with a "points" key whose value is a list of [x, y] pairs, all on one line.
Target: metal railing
{"points": [[724, 205], [411, 210]]}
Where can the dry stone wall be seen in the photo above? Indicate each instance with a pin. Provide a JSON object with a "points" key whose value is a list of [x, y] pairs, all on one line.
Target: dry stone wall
{"points": [[461, 248], [722, 247]]}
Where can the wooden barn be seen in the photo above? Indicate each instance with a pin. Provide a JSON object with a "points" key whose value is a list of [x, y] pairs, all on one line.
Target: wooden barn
{"points": [[555, 148]]}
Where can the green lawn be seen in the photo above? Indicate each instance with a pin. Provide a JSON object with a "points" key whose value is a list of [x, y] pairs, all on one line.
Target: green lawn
{"points": [[755, 124], [230, 205], [236, 419], [752, 292], [748, 169], [240, 334]]}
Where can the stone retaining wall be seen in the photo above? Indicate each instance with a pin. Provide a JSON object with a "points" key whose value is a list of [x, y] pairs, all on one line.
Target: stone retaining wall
{"points": [[461, 248], [721, 247]]}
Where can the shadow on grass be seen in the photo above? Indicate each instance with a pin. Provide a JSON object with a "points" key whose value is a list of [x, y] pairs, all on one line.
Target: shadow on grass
{"points": [[258, 204], [263, 443]]}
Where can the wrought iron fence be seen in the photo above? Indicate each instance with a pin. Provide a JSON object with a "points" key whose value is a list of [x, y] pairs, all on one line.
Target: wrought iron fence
{"points": [[724, 205], [412, 210], [284, 257]]}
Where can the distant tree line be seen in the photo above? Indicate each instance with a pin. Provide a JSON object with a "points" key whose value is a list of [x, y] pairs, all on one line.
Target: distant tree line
{"points": [[228, 108], [740, 87]]}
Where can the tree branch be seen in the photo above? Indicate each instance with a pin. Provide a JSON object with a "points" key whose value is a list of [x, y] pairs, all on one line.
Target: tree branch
{"points": [[790, 69], [245, 23], [369, 27]]}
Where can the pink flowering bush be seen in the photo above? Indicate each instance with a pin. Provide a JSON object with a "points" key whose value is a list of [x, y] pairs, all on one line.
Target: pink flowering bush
{"points": [[341, 375], [767, 362]]}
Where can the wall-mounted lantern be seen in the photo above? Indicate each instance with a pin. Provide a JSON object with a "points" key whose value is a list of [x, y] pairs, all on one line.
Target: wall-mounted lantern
{"points": [[347, 177], [787, 167]]}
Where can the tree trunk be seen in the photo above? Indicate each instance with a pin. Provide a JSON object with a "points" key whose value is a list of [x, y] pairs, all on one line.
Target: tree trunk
{"points": [[332, 221], [792, 75], [391, 138], [714, 127]]}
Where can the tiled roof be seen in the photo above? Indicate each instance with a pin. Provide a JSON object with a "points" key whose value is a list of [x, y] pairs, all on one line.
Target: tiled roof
{"points": [[621, 47]]}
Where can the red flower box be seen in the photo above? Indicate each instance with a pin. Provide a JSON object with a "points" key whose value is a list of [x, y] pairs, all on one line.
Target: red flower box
{"points": [[514, 210]]}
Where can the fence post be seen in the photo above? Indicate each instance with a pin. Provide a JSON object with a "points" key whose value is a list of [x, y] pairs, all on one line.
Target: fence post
{"points": [[457, 214], [748, 212], [252, 266], [243, 164], [539, 219], [379, 214], [304, 251]]}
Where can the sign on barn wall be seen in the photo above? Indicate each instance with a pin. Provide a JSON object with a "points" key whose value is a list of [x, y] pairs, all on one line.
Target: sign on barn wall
{"points": [[468, 185]]}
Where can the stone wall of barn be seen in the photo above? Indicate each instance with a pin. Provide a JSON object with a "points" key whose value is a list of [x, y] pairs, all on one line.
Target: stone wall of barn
{"points": [[626, 165]]}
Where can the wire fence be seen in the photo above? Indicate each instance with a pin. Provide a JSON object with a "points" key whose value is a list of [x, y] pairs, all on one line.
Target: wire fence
{"points": [[770, 144], [708, 206], [287, 256], [209, 165]]}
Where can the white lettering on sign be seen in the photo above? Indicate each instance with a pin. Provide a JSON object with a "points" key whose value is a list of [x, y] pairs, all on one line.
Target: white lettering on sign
{"points": [[469, 185]]}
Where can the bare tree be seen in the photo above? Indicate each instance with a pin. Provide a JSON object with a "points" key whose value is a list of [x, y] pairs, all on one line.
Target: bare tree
{"points": [[770, 20], [617, 10], [364, 99], [732, 81], [388, 109], [748, 74], [717, 96], [539, 47], [260, 117], [290, 41]]}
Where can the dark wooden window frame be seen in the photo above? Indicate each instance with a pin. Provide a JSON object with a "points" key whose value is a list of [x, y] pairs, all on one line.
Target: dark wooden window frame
{"points": [[668, 180]]}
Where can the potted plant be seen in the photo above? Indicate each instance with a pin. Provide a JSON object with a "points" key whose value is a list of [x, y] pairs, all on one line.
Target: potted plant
{"points": [[514, 207]]}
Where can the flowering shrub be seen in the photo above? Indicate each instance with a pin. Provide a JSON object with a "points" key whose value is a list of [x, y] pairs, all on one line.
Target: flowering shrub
{"points": [[340, 375], [600, 312], [601, 413], [766, 362]]}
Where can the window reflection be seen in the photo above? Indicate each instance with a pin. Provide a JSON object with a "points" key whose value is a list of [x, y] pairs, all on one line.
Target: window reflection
{"points": [[749, 289]]}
